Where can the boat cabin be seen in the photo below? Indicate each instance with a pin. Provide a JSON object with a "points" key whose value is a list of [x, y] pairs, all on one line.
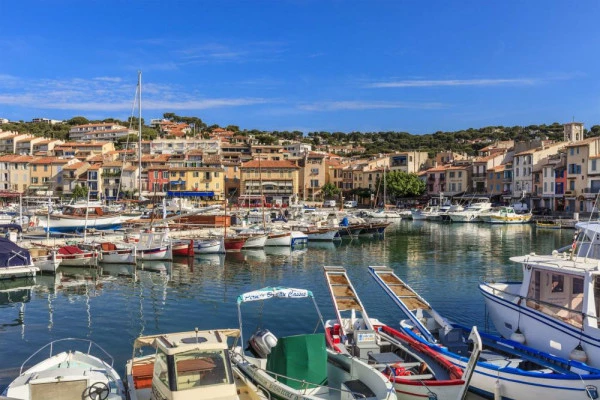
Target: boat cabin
{"points": [[186, 365], [560, 294]]}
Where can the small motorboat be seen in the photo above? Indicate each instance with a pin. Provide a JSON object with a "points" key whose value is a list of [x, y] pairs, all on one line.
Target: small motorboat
{"points": [[70, 374], [74, 256], [187, 365], [209, 246]]}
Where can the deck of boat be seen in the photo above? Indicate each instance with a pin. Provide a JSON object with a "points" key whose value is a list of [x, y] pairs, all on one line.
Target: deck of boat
{"points": [[399, 288]]}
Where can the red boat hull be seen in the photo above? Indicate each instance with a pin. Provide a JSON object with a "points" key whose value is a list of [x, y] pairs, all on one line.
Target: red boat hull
{"points": [[234, 244], [184, 249]]}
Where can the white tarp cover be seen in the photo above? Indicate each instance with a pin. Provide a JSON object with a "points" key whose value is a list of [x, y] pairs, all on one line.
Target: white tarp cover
{"points": [[274, 292]]}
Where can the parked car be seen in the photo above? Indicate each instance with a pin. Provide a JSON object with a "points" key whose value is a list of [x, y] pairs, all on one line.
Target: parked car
{"points": [[541, 211], [350, 204], [329, 203]]}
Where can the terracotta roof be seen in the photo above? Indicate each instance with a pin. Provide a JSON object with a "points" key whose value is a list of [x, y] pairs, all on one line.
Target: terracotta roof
{"points": [[270, 164], [583, 142], [95, 166], [498, 168], [313, 154], [131, 168], [74, 166], [109, 164], [16, 158], [49, 160]]}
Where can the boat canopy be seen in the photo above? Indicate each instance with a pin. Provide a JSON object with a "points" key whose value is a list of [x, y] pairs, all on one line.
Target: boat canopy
{"points": [[11, 255], [274, 292]]}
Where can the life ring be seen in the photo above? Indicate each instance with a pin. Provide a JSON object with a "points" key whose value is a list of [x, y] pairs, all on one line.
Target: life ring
{"points": [[31, 223]]}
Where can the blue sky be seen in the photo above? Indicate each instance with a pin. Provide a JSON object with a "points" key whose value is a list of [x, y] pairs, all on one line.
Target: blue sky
{"points": [[416, 66]]}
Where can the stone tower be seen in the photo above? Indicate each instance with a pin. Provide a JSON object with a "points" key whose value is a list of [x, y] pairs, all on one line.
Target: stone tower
{"points": [[573, 132]]}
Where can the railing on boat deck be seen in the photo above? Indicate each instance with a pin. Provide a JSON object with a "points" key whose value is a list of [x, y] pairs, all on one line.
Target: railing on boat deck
{"points": [[51, 346], [565, 314]]}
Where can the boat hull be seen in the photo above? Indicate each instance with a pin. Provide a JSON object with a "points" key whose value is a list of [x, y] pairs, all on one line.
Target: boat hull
{"points": [[255, 242], [120, 256], [160, 253], [59, 223], [322, 235], [86, 259], [209, 246], [503, 377], [541, 331], [279, 239]]}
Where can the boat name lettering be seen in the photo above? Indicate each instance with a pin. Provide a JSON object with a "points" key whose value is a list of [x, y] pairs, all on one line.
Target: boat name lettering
{"points": [[277, 389]]}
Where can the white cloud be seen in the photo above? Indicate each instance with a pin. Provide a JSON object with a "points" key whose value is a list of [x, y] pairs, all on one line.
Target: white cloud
{"points": [[367, 105], [454, 82]]}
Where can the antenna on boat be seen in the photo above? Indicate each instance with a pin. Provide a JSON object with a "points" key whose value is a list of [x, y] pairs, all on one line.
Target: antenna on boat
{"points": [[196, 330]]}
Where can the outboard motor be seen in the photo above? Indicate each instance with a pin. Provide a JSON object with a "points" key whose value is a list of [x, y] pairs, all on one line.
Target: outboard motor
{"points": [[261, 343]]}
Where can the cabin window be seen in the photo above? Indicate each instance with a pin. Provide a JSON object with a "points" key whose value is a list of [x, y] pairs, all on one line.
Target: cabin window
{"points": [[161, 368], [201, 368]]}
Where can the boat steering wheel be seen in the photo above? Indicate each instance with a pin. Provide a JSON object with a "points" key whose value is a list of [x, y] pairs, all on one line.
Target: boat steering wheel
{"points": [[98, 391]]}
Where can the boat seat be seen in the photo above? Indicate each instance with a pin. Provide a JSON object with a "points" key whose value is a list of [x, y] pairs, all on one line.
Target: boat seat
{"points": [[142, 375]]}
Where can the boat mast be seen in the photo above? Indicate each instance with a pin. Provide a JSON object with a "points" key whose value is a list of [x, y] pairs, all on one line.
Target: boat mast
{"points": [[262, 198], [140, 135], [384, 188]]}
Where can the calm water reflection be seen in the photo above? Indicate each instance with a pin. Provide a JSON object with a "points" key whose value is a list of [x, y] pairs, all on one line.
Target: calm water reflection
{"points": [[443, 262]]}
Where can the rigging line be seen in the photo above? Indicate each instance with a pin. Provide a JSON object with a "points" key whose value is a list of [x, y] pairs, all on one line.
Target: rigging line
{"points": [[124, 158]]}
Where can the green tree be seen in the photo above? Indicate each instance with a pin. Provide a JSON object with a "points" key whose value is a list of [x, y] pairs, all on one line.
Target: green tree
{"points": [[329, 190], [401, 184], [80, 192], [78, 121]]}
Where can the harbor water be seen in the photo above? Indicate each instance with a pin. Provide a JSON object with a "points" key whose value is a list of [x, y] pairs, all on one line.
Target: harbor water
{"points": [[113, 305]]}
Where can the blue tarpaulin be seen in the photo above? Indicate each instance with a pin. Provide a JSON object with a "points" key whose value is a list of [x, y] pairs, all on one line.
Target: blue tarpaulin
{"points": [[190, 194], [12, 255]]}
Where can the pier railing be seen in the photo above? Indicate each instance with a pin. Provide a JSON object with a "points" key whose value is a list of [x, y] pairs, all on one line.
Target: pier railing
{"points": [[90, 346]]}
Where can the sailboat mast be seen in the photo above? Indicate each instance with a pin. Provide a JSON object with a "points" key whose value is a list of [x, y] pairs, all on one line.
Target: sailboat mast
{"points": [[262, 199], [384, 188], [140, 135]]}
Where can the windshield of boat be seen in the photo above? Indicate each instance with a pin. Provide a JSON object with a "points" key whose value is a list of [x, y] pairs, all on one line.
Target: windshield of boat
{"points": [[197, 368]]}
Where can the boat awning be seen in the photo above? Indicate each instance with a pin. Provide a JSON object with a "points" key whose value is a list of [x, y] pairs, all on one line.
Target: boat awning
{"points": [[174, 193]]}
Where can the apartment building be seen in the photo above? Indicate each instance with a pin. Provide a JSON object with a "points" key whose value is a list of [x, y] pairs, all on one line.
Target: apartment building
{"points": [[103, 131], [458, 179], [277, 181], [409, 162], [10, 140], [46, 174], [83, 150], [14, 172], [481, 166], [580, 160], [73, 175], [312, 175], [180, 146]]}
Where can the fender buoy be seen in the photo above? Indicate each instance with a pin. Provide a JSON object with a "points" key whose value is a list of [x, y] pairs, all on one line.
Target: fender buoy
{"points": [[396, 370]]}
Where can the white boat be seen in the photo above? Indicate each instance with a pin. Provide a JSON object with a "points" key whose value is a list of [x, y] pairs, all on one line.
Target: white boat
{"points": [[505, 368], [15, 261], [74, 256], [472, 211], [187, 366], [279, 239], [77, 216], [116, 253], [255, 242], [384, 214], [322, 234], [45, 259], [151, 246], [298, 238], [425, 213], [69, 374], [209, 245], [300, 366], [417, 372], [556, 305]]}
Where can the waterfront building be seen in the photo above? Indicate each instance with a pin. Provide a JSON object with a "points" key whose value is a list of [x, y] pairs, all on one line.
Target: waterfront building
{"points": [[435, 180], [25, 145], [581, 157], [232, 178], [279, 180], [498, 182], [409, 161], [312, 175], [14, 172], [481, 166], [206, 182], [94, 181], [458, 178]]}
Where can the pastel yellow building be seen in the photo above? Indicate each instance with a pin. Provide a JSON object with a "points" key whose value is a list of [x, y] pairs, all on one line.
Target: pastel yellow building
{"points": [[279, 180]]}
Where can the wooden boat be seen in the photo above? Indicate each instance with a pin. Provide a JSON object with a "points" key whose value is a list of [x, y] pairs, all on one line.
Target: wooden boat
{"points": [[187, 365], [209, 246], [279, 239], [70, 374], [151, 246], [73, 256], [77, 216], [548, 224], [301, 366], [415, 370], [234, 243], [44, 258], [183, 247], [506, 368], [255, 241]]}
